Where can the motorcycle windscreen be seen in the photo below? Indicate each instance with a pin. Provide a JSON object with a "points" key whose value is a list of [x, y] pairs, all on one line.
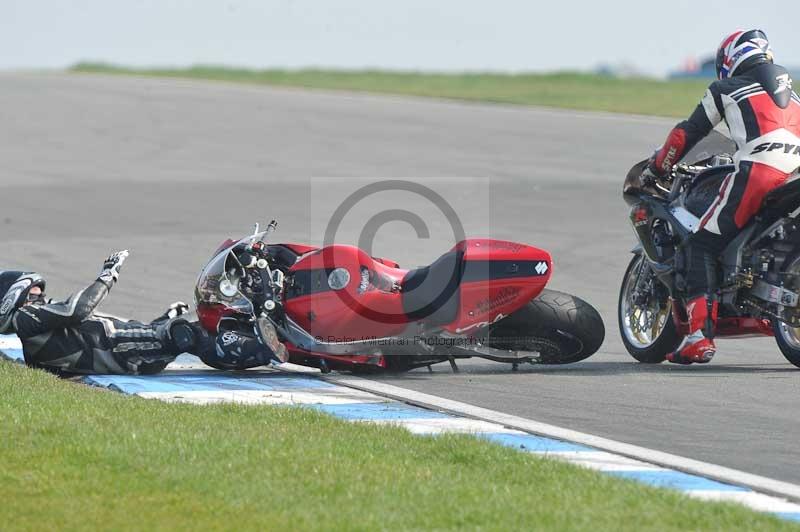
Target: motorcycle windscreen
{"points": [[218, 283]]}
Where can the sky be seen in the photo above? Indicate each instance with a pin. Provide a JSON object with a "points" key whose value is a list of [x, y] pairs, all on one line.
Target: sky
{"points": [[433, 35]]}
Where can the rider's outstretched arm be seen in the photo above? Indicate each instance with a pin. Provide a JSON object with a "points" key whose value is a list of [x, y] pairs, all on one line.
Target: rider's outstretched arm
{"points": [[32, 320], [686, 134]]}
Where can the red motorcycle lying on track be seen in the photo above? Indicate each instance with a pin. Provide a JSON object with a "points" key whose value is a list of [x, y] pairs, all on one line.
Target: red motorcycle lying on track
{"points": [[336, 307]]}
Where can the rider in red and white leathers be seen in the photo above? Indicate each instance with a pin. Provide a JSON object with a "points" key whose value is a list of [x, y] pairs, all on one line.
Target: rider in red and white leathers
{"points": [[756, 100]]}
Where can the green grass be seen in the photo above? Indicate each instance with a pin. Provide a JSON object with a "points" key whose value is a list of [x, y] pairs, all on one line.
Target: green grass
{"points": [[74, 457], [565, 90]]}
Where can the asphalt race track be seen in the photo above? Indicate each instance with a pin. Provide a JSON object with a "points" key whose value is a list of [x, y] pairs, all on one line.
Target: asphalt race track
{"points": [[169, 168]]}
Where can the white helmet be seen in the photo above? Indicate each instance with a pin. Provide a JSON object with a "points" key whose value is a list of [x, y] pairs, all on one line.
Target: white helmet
{"points": [[740, 50]]}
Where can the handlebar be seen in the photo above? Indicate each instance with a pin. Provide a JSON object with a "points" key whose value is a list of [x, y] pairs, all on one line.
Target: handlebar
{"points": [[263, 280], [688, 169], [670, 185]]}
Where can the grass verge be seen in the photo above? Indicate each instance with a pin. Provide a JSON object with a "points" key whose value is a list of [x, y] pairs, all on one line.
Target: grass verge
{"points": [[80, 458], [564, 90]]}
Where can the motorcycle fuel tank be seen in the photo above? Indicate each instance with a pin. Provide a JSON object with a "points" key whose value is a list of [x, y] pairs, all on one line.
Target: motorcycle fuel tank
{"points": [[341, 294]]}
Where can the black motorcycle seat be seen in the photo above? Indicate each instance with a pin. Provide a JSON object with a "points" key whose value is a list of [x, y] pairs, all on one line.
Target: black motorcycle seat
{"points": [[788, 191], [780, 201], [704, 189], [431, 293]]}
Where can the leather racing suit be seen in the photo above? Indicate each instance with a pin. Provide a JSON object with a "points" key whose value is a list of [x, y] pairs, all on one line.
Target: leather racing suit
{"points": [[69, 337], [763, 115]]}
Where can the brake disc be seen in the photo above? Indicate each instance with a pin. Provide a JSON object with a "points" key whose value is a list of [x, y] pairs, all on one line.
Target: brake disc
{"points": [[638, 325]]}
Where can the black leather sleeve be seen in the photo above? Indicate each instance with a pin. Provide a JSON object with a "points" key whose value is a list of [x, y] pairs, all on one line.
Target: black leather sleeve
{"points": [[32, 320], [688, 133], [696, 127]]}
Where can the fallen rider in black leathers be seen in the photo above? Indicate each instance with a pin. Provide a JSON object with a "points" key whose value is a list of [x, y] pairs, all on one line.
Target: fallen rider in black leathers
{"points": [[68, 337]]}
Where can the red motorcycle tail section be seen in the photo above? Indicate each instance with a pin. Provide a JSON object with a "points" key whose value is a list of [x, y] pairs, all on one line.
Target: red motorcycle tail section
{"points": [[340, 294], [498, 278]]}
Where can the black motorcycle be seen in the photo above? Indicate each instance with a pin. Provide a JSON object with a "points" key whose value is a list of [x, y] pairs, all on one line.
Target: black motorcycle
{"points": [[757, 275]]}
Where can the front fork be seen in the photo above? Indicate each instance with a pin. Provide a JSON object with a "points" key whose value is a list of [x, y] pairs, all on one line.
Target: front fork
{"points": [[639, 292]]}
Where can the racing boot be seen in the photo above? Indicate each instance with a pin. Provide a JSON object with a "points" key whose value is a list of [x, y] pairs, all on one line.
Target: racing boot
{"points": [[698, 346]]}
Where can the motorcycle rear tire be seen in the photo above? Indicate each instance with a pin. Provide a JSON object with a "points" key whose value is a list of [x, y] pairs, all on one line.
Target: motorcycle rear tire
{"points": [[565, 328], [790, 352]]}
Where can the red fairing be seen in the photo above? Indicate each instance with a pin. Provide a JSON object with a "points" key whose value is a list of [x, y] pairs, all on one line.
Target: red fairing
{"points": [[725, 327], [301, 356], [209, 315], [365, 307], [387, 262], [671, 152], [744, 327], [518, 274], [300, 249]]}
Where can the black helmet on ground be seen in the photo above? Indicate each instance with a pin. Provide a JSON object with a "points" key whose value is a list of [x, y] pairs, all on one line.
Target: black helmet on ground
{"points": [[15, 287]]}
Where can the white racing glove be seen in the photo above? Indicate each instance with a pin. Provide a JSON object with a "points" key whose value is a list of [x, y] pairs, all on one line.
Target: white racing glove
{"points": [[112, 265]]}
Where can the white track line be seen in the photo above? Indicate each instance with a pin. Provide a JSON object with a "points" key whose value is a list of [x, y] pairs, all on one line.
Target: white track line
{"points": [[316, 397], [687, 465], [602, 461], [756, 501], [456, 425]]}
